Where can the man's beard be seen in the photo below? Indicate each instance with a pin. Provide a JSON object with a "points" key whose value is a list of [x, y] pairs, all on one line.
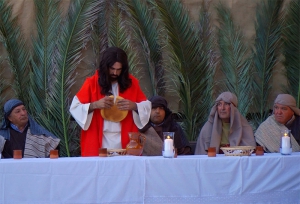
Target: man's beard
{"points": [[113, 78]]}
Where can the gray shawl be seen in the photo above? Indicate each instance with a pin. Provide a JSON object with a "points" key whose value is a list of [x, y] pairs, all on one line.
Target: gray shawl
{"points": [[268, 135], [240, 133]]}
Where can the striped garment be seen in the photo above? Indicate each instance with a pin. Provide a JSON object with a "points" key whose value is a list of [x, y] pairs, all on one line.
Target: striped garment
{"points": [[39, 146], [268, 135]]}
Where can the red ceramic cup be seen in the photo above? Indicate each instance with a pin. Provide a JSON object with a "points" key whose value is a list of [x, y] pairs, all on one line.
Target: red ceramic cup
{"points": [[54, 154], [211, 152], [103, 152], [17, 154], [259, 151]]}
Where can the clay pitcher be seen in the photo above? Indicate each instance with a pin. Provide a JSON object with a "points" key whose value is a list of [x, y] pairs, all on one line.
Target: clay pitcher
{"points": [[136, 144]]}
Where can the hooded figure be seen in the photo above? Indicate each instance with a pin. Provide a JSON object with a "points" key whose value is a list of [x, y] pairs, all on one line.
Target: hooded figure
{"points": [[20, 132], [285, 116], [161, 120], [225, 126]]}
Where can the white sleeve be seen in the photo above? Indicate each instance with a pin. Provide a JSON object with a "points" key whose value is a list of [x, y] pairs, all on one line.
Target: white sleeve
{"points": [[142, 117], [80, 113], [2, 143]]}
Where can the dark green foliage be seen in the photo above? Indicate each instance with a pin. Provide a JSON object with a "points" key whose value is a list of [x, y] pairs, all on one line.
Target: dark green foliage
{"points": [[235, 64], [291, 49], [209, 58], [179, 57], [146, 33], [268, 30], [73, 36], [17, 53], [188, 68]]}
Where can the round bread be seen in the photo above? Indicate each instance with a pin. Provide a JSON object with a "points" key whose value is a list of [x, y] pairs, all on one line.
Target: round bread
{"points": [[114, 114]]}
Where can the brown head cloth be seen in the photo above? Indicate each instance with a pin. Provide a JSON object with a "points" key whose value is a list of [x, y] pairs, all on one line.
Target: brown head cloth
{"points": [[287, 100], [228, 97], [240, 133]]}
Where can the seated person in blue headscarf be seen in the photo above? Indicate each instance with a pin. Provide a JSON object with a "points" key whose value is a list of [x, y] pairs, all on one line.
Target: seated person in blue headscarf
{"points": [[20, 132]]}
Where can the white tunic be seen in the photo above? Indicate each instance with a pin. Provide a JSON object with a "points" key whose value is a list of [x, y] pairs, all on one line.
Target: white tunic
{"points": [[111, 130]]}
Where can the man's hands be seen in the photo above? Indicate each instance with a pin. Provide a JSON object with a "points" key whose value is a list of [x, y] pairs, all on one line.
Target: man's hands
{"points": [[103, 103], [107, 102], [124, 104]]}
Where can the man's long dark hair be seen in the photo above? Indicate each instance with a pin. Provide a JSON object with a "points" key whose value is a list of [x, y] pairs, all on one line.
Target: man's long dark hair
{"points": [[109, 58]]}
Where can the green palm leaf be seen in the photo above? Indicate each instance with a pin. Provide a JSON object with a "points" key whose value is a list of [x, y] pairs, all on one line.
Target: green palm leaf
{"points": [[18, 56], [235, 64], [291, 49], [47, 19], [118, 33], [146, 33], [74, 34], [209, 59], [268, 30], [100, 34], [3, 86], [185, 49]]}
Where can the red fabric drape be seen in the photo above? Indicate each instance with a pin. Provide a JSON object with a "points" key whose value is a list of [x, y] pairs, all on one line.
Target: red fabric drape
{"points": [[91, 139]]}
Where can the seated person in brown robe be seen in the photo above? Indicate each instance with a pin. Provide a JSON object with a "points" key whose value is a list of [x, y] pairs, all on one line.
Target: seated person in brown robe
{"points": [[161, 120], [20, 132], [225, 126]]}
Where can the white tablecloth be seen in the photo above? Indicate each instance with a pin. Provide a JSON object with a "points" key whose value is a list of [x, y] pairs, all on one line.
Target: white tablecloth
{"points": [[271, 178]]}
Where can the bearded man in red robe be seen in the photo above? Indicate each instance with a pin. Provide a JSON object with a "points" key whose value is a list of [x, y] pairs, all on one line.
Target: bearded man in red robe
{"points": [[109, 105]]}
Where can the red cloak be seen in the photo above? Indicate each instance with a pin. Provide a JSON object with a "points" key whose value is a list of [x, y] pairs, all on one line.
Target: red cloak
{"points": [[91, 139]]}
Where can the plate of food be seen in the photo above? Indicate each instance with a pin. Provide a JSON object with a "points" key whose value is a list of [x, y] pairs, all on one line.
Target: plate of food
{"points": [[116, 152], [238, 150]]}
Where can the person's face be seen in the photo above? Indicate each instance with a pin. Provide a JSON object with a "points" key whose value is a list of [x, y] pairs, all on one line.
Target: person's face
{"points": [[157, 115], [115, 71], [19, 116], [282, 113], [224, 111]]}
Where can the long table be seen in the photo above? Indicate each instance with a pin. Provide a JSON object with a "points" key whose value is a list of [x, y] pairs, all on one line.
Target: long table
{"points": [[272, 178]]}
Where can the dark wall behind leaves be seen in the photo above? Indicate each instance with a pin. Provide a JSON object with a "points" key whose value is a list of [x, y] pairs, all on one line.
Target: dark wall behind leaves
{"points": [[187, 51]]}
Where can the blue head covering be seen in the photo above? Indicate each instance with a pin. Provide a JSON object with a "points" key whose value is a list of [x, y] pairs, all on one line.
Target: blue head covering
{"points": [[8, 108], [35, 128]]}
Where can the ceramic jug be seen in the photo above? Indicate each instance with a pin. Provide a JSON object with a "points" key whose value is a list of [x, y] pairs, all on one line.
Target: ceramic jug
{"points": [[136, 144]]}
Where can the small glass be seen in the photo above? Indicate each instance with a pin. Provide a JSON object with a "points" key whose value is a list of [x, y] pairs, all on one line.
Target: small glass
{"points": [[103, 152], [168, 148], [211, 152], [54, 154], [286, 143], [17, 154], [259, 151]]}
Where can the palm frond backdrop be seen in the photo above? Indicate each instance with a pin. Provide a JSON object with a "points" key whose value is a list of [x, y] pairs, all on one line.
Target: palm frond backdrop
{"points": [[17, 53], [291, 49], [187, 60], [235, 63], [268, 31]]}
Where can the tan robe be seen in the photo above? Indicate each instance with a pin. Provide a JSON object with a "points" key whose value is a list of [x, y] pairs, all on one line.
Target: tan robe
{"points": [[240, 133], [268, 135], [153, 144]]}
